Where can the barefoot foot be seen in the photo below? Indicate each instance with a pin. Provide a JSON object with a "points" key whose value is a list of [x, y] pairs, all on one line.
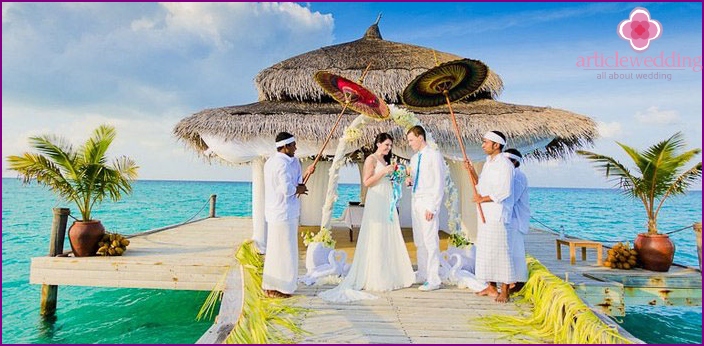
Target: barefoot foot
{"points": [[489, 291], [502, 298]]}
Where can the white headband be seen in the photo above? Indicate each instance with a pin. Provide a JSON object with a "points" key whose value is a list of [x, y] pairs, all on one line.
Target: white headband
{"points": [[494, 138], [283, 142], [513, 157]]}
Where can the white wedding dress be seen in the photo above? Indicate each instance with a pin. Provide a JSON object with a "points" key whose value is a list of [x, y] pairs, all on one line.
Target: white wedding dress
{"points": [[381, 261]]}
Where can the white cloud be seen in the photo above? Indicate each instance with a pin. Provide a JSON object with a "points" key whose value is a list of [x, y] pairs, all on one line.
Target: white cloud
{"points": [[146, 139], [609, 130], [142, 67], [201, 55], [653, 115]]}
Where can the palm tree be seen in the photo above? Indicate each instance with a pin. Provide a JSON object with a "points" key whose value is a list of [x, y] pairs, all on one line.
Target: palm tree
{"points": [[82, 176], [660, 174]]}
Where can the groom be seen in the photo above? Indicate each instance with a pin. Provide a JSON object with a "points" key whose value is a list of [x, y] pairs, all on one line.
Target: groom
{"points": [[427, 179]]}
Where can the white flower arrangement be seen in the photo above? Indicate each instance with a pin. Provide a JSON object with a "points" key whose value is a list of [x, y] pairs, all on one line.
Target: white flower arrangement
{"points": [[457, 237], [323, 236], [403, 117], [352, 134]]}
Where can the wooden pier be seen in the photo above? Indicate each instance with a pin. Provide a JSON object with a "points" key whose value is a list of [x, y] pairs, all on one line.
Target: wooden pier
{"points": [[193, 256], [197, 256]]}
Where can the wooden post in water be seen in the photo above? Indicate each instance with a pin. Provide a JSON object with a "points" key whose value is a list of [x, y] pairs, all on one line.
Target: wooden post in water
{"points": [[212, 205], [698, 233], [47, 306]]}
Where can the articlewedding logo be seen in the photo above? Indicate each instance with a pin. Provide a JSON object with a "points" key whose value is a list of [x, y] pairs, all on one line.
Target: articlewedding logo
{"points": [[639, 29]]}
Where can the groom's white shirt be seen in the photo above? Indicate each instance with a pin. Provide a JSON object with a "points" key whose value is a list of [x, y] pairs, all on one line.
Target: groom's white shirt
{"points": [[431, 182]]}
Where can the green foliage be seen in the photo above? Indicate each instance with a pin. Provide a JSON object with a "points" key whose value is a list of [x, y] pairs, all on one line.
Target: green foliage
{"points": [[558, 314], [263, 320], [208, 309], [82, 175], [657, 175], [458, 240]]}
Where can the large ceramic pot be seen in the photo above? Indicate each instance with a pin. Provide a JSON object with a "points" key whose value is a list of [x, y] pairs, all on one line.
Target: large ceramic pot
{"points": [[655, 251], [84, 237]]}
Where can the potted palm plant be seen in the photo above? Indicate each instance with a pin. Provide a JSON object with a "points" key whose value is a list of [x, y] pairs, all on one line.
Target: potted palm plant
{"points": [[657, 175], [81, 175]]}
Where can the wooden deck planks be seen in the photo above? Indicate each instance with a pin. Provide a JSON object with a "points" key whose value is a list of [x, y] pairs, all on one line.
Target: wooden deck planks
{"points": [[448, 315], [194, 256], [611, 290]]}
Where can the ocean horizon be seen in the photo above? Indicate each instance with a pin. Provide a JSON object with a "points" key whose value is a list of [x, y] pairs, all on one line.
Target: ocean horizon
{"points": [[107, 315]]}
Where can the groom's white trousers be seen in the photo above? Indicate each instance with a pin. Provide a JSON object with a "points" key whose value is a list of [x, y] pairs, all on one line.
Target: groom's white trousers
{"points": [[425, 237]]}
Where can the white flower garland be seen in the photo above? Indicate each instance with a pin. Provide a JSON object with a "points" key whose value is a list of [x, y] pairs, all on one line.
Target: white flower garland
{"points": [[405, 119]]}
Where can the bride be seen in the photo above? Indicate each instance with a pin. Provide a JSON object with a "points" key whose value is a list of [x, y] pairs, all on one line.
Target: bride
{"points": [[381, 261]]}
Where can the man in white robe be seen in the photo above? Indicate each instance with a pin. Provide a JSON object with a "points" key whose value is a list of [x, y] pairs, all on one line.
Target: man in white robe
{"points": [[282, 209], [494, 262], [427, 181], [521, 218]]}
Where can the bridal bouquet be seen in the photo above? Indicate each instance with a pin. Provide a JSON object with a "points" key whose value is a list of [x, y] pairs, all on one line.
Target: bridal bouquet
{"points": [[399, 174], [398, 178]]}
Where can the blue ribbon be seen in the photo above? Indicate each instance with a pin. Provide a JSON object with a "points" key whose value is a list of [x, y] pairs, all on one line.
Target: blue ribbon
{"points": [[396, 192], [415, 183]]}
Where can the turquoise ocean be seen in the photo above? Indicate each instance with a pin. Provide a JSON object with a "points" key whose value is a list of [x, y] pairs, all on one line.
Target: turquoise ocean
{"points": [[128, 316]]}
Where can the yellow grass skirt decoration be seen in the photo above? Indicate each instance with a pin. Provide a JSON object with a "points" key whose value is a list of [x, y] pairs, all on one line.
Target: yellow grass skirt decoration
{"points": [[558, 313], [262, 320]]}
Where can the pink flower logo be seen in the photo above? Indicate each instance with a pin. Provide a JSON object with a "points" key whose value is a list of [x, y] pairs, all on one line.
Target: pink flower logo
{"points": [[639, 29]]}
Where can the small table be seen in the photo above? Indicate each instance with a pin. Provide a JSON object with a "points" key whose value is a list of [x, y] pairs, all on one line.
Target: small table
{"points": [[352, 217], [584, 244]]}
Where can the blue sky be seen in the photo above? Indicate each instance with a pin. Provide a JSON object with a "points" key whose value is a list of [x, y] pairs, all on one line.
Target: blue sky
{"points": [[144, 66]]}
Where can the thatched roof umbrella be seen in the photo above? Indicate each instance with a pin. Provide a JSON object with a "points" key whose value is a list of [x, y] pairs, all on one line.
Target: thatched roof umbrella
{"points": [[290, 100]]}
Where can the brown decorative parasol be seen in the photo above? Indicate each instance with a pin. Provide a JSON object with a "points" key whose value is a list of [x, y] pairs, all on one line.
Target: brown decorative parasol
{"points": [[351, 95], [447, 82]]}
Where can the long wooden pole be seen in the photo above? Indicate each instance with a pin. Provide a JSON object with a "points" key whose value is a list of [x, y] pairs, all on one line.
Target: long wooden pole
{"points": [[47, 305], [466, 159], [320, 153]]}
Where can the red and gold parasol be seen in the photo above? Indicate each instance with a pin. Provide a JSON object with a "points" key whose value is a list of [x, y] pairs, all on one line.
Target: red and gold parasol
{"points": [[445, 83], [351, 95]]}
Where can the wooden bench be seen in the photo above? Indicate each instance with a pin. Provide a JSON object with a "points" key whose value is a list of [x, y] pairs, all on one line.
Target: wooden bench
{"points": [[584, 244]]}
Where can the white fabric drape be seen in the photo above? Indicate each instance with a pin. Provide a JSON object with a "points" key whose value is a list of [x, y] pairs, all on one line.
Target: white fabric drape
{"points": [[465, 195], [258, 221], [312, 203], [236, 151]]}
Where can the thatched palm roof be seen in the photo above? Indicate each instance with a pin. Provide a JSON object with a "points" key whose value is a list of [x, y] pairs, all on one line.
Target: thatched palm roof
{"points": [[393, 66], [290, 100], [565, 131]]}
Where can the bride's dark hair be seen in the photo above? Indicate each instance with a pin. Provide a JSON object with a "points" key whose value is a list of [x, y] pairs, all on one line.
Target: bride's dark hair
{"points": [[381, 138]]}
